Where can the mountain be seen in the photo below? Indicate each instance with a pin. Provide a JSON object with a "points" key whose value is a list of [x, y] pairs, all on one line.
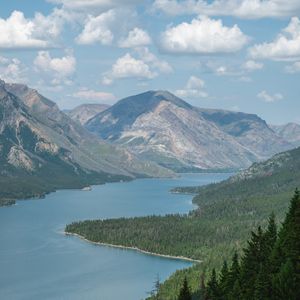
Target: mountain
{"points": [[83, 113], [249, 130], [161, 127], [42, 149], [290, 132]]}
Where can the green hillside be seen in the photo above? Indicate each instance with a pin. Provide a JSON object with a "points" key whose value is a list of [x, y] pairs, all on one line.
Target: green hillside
{"points": [[227, 213]]}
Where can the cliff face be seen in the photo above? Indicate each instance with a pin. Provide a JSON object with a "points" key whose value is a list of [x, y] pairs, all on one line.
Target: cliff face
{"points": [[159, 126]]}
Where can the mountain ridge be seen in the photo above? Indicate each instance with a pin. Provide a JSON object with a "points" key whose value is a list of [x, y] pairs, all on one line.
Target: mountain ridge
{"points": [[159, 126]]}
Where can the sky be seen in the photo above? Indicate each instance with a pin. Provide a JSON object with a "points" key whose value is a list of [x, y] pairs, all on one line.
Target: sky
{"points": [[241, 55]]}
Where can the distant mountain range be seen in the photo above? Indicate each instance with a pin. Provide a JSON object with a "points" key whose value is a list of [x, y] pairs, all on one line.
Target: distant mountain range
{"points": [[290, 132], [42, 149], [158, 126], [150, 134], [83, 113]]}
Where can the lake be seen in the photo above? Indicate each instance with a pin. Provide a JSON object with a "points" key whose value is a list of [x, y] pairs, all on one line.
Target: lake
{"points": [[37, 261]]}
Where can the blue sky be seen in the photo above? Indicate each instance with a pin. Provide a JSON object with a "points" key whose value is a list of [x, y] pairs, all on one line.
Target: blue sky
{"points": [[235, 54]]}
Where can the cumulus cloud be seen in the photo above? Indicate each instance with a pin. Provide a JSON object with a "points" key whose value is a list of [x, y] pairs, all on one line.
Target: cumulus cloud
{"points": [[286, 46], [266, 97], [97, 29], [194, 88], [59, 69], [12, 70], [136, 38], [294, 68], [252, 65], [94, 96], [203, 36], [247, 9], [155, 63], [17, 32], [128, 67], [145, 66]]}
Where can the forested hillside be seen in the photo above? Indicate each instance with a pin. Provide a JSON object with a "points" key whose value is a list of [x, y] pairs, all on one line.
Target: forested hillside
{"points": [[227, 213]]}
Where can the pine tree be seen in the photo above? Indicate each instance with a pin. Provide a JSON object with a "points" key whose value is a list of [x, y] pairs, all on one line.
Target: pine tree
{"points": [[213, 291], [262, 285], [185, 293], [286, 255], [251, 263], [285, 283], [223, 281]]}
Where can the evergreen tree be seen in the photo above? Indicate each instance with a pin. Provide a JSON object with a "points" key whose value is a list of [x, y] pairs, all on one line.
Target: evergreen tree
{"points": [[286, 255], [213, 291], [185, 293], [285, 283], [262, 285], [223, 281], [251, 263]]}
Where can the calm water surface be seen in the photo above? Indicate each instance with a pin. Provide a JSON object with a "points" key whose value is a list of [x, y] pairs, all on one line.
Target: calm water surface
{"points": [[38, 262]]}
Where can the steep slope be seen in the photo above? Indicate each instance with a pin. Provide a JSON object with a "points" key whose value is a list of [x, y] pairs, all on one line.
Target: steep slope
{"points": [[249, 130], [290, 132], [87, 150], [85, 112], [157, 125], [42, 149]]}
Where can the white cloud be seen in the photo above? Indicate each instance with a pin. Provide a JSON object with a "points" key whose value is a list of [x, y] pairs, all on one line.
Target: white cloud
{"points": [[145, 66], [193, 89], [12, 70], [294, 68], [17, 32], [263, 95], [284, 48], [92, 95], [203, 36], [92, 5], [136, 38], [247, 9], [252, 65], [97, 29], [128, 67], [155, 63], [60, 70]]}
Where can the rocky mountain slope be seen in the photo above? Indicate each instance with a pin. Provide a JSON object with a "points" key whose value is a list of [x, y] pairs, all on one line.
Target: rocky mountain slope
{"points": [[83, 113], [290, 132], [249, 130], [42, 149], [159, 126]]}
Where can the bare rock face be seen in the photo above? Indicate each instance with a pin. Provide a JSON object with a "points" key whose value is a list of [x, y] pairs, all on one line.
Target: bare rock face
{"points": [[19, 159], [83, 113], [159, 126], [289, 132], [34, 132]]}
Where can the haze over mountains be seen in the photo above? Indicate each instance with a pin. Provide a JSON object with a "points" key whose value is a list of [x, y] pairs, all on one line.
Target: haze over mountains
{"points": [[83, 113], [158, 126]]}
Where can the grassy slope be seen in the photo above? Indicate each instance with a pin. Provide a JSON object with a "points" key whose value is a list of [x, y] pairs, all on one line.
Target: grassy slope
{"points": [[227, 212]]}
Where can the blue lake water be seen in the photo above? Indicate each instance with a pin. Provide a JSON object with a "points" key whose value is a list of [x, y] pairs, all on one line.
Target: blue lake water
{"points": [[37, 261]]}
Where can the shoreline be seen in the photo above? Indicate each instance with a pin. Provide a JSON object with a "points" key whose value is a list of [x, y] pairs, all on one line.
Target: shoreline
{"points": [[133, 248]]}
